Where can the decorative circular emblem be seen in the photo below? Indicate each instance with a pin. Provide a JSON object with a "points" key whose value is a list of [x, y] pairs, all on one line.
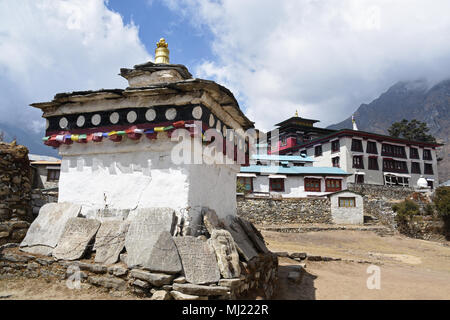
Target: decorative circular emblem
{"points": [[197, 112], [114, 118], [150, 115], [171, 113], [131, 116], [80, 121], [211, 121], [63, 123], [96, 119]]}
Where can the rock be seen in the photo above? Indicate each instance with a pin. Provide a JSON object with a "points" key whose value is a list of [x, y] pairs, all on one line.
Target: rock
{"points": [[156, 279], [41, 250], [161, 295], [180, 280], [11, 257], [117, 271], [200, 290], [78, 233], [211, 221], [244, 244], [4, 235], [182, 296], [192, 223], [298, 255], [198, 260], [110, 240], [230, 283], [141, 284], [108, 282], [144, 232], [48, 227], [164, 256], [254, 235], [226, 253], [282, 254]]}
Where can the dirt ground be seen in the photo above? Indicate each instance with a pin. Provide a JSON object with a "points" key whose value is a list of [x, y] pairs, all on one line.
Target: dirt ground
{"points": [[409, 269]]}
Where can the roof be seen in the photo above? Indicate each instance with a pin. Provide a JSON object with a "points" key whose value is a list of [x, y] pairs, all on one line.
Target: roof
{"points": [[35, 158], [365, 134], [275, 157], [346, 190], [445, 184], [293, 120], [294, 170]]}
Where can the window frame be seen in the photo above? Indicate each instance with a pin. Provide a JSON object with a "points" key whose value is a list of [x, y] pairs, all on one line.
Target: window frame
{"points": [[416, 165], [338, 162], [430, 166], [329, 188], [251, 183], [341, 200], [335, 146], [53, 175], [314, 181], [373, 149], [357, 145], [370, 162], [272, 181], [360, 165], [318, 154]]}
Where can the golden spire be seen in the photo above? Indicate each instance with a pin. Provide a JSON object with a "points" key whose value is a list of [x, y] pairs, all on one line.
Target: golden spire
{"points": [[162, 52], [296, 113]]}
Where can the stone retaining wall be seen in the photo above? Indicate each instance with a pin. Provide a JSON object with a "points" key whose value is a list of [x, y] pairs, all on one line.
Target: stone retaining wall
{"points": [[258, 275], [284, 211], [39, 197], [378, 191], [15, 192]]}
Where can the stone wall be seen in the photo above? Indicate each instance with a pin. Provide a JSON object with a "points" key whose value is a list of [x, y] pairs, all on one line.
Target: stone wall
{"points": [[15, 192], [381, 191], [39, 197], [284, 211]]}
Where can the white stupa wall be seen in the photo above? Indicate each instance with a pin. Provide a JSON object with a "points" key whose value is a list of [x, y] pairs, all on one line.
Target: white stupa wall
{"points": [[142, 174]]}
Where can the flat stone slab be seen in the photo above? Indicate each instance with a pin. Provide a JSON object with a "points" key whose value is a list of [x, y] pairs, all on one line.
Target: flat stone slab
{"points": [[199, 290], [182, 296], [156, 279], [198, 259], [144, 232], [110, 240], [244, 245], [48, 227], [78, 233], [226, 253], [164, 256], [41, 250], [254, 235]]}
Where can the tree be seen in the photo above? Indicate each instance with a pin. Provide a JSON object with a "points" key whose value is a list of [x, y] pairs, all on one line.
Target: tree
{"points": [[442, 204], [411, 130]]}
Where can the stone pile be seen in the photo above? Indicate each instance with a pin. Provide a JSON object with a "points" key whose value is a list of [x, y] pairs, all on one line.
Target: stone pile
{"points": [[15, 192], [152, 254]]}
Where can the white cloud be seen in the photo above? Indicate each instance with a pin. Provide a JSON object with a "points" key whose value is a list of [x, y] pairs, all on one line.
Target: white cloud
{"points": [[50, 46], [323, 57]]}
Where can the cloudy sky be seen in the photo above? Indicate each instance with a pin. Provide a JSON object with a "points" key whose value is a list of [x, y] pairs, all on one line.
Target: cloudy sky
{"points": [[322, 57]]}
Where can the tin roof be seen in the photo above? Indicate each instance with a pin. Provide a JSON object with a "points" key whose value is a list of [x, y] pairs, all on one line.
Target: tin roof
{"points": [[294, 170]]}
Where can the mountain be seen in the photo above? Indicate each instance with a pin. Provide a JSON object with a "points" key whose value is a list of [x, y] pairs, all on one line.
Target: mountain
{"points": [[410, 100], [31, 140]]}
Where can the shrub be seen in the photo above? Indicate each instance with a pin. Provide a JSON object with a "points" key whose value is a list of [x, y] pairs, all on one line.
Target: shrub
{"points": [[406, 209], [442, 204], [240, 188]]}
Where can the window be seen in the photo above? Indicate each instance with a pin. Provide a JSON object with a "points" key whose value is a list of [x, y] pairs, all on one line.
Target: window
{"points": [[372, 147], [357, 145], [52, 175], [335, 146], [392, 180], [393, 151], [390, 165], [247, 183], [413, 153], [347, 202], [430, 184], [335, 162], [312, 184], [277, 185], [373, 163], [427, 154], [415, 167], [359, 178], [318, 151], [283, 141], [428, 168], [333, 185], [358, 162]]}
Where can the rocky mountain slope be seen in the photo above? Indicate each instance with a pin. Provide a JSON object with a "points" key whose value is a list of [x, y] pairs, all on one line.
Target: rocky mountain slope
{"points": [[410, 100]]}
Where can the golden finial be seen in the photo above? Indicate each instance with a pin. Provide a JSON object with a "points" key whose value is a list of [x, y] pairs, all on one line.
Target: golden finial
{"points": [[296, 113], [162, 52]]}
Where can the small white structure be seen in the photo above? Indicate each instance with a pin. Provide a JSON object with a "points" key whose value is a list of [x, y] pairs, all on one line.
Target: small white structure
{"points": [[347, 207]]}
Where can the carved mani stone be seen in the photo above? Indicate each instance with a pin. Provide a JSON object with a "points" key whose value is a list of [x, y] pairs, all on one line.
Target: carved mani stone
{"points": [[46, 230], [198, 260], [77, 235], [110, 241], [254, 235], [226, 253], [164, 255], [144, 232], [243, 243], [211, 220]]}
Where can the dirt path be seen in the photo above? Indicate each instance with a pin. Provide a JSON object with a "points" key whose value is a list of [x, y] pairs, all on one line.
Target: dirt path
{"points": [[409, 268]]}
